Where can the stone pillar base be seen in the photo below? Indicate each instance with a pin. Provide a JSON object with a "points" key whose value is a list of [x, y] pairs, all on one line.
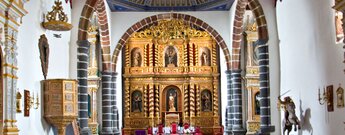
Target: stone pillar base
{"points": [[107, 131], [266, 130], [116, 132], [239, 132], [85, 131]]}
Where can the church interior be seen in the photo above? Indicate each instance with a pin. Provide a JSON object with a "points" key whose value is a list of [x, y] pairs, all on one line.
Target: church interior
{"points": [[159, 67]]}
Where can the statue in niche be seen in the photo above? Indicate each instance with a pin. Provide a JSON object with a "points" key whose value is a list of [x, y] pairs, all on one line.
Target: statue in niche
{"points": [[339, 27], [255, 54], [172, 100], [44, 54], [170, 57], [340, 97], [206, 101], [257, 103], [136, 57], [136, 101], [290, 118], [205, 57]]}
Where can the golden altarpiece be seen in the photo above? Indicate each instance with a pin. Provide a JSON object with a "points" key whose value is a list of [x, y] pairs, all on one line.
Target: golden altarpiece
{"points": [[171, 74], [252, 77]]}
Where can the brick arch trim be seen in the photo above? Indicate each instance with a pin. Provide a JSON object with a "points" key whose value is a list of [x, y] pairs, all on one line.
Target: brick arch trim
{"points": [[88, 9], [259, 15], [155, 18]]}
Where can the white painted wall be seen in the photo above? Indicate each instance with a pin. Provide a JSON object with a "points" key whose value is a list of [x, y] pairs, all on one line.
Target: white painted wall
{"points": [[30, 72], [219, 20], [274, 65], [310, 60]]}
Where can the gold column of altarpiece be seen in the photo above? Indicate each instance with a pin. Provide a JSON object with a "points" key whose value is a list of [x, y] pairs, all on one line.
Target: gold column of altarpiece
{"points": [[171, 75]]}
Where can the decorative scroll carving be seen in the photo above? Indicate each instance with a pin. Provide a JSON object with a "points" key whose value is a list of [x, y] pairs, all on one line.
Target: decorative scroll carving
{"points": [[170, 29]]}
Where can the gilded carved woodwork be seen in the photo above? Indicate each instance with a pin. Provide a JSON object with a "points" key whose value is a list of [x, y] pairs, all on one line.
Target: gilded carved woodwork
{"points": [[60, 102], [175, 57], [252, 77]]}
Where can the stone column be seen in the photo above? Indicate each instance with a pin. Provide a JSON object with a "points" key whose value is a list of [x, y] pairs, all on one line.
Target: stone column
{"points": [[236, 81], [228, 115], [265, 108], [82, 74], [106, 104], [115, 117]]}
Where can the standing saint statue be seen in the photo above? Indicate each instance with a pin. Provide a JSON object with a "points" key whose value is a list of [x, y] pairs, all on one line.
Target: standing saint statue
{"points": [[172, 102], [136, 59], [137, 103], [204, 59], [170, 57], [44, 54], [207, 101]]}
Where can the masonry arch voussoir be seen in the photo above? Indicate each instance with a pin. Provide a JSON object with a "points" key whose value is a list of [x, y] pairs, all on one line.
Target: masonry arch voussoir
{"points": [[258, 12], [88, 9]]}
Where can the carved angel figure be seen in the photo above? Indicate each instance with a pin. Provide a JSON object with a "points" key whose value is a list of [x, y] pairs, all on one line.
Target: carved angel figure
{"points": [[44, 54]]}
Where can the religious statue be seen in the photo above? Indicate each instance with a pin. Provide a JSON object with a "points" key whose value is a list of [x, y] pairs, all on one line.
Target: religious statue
{"points": [[137, 102], [170, 57], [290, 117], [204, 59], [340, 97], [44, 54], [172, 102], [206, 98], [136, 59], [338, 26], [257, 104]]}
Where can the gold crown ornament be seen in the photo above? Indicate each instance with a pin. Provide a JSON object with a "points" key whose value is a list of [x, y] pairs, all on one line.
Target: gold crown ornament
{"points": [[57, 19]]}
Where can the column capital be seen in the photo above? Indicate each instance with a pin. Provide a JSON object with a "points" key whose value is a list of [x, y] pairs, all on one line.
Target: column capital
{"points": [[261, 41]]}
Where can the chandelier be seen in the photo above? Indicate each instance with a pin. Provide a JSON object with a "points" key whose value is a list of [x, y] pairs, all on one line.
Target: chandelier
{"points": [[57, 19]]}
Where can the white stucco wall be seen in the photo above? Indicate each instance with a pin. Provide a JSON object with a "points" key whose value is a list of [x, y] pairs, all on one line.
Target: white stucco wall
{"points": [[219, 20], [274, 64], [310, 60], [30, 72]]}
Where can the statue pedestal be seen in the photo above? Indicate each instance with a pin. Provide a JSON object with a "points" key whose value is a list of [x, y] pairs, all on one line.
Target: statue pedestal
{"points": [[170, 118]]}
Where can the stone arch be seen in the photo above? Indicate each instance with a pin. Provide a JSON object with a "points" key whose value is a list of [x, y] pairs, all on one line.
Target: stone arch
{"points": [[98, 6], [258, 12], [155, 18]]}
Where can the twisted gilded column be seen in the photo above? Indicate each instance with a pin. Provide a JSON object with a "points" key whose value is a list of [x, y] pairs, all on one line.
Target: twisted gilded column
{"points": [[127, 99], [82, 74], [192, 103], [106, 103], [145, 99], [237, 127], [265, 107], [215, 97], [157, 101], [198, 99], [151, 100], [115, 113], [186, 103], [190, 54]]}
